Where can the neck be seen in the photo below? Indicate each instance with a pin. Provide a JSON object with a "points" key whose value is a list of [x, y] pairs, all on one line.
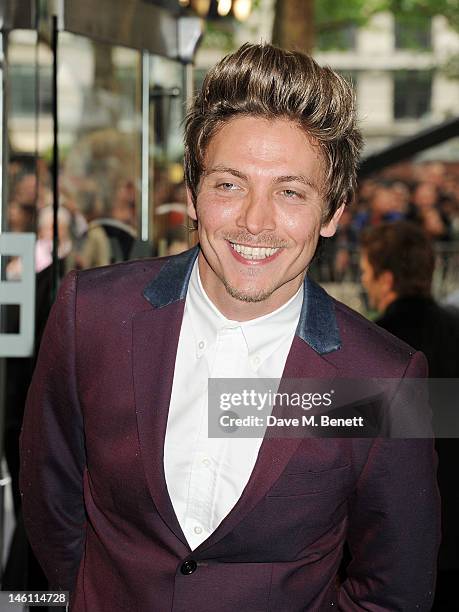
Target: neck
{"points": [[237, 310], [240, 310], [387, 300]]}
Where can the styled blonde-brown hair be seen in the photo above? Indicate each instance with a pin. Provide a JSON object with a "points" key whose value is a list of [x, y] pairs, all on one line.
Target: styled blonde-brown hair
{"points": [[264, 81]]}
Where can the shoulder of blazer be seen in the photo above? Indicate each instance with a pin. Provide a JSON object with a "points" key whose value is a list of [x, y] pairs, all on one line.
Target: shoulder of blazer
{"points": [[367, 348], [120, 280], [113, 292], [115, 275]]}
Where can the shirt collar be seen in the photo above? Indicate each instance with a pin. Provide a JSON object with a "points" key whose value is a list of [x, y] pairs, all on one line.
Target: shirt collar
{"points": [[317, 325], [262, 335]]}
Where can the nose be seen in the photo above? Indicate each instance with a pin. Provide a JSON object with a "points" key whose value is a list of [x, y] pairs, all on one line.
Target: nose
{"points": [[256, 214]]}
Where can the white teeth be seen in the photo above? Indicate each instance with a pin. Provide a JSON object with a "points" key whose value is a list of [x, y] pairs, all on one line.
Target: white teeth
{"points": [[253, 252]]}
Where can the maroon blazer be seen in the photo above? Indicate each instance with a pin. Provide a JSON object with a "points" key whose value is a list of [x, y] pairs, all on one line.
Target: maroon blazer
{"points": [[95, 501]]}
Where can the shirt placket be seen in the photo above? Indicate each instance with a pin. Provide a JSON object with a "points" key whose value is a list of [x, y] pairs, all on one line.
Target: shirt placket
{"points": [[202, 516]]}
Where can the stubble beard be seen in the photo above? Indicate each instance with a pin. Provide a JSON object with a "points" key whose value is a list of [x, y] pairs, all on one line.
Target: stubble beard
{"points": [[246, 296], [252, 295], [262, 294]]}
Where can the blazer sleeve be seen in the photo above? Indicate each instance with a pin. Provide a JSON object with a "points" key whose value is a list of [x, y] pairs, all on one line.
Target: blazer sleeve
{"points": [[52, 449], [394, 525]]}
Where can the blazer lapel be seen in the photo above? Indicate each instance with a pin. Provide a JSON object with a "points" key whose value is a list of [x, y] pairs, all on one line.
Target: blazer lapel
{"points": [[156, 333], [275, 453], [155, 339]]}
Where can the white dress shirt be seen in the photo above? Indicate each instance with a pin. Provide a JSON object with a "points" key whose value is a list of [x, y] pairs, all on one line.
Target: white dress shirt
{"points": [[206, 476]]}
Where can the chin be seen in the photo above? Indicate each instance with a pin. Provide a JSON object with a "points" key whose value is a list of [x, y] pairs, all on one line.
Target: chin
{"points": [[248, 295]]}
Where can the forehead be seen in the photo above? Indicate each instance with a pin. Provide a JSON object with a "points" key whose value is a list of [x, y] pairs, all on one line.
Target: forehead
{"points": [[426, 188], [265, 145]]}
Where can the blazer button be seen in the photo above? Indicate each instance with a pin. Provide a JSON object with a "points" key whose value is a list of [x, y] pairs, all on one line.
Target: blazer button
{"points": [[188, 567]]}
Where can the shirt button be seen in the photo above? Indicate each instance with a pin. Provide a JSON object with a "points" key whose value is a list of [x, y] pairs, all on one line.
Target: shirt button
{"points": [[255, 360], [188, 567], [202, 345], [198, 530], [206, 462]]}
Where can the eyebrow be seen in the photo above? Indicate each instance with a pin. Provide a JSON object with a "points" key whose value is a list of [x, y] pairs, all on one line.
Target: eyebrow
{"points": [[296, 179], [288, 178], [226, 169]]}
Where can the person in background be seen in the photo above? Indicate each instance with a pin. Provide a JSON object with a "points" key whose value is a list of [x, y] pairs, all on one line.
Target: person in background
{"points": [[95, 247], [21, 218], [397, 264], [44, 244], [21, 570], [383, 206], [426, 211], [177, 240], [123, 207], [111, 235]]}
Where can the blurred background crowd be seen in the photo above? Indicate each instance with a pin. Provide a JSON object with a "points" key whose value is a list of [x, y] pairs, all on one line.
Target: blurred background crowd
{"points": [[96, 228]]}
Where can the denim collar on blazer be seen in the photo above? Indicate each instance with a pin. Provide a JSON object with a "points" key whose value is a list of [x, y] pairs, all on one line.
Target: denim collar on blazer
{"points": [[317, 325]]}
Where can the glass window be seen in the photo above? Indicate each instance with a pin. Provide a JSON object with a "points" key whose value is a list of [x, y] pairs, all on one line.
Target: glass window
{"points": [[418, 83], [99, 105], [341, 39], [23, 83], [413, 32], [167, 109]]}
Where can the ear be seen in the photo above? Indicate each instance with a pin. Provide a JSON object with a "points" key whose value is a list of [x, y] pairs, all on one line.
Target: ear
{"points": [[190, 205], [386, 280], [329, 229]]}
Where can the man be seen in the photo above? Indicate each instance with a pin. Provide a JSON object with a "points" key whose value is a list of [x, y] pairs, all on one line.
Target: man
{"points": [[397, 262], [129, 504]]}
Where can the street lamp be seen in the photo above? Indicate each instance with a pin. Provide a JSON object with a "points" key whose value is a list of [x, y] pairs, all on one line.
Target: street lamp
{"points": [[201, 7], [240, 9], [224, 7]]}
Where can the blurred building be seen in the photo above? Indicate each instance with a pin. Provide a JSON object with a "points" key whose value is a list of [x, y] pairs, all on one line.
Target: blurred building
{"points": [[402, 69], [400, 74]]}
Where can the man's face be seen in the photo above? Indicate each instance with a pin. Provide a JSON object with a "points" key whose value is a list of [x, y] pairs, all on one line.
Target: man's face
{"points": [[373, 285], [259, 210], [425, 195]]}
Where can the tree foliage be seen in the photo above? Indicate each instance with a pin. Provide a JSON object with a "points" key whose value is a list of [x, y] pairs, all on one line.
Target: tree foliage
{"points": [[331, 16], [427, 8]]}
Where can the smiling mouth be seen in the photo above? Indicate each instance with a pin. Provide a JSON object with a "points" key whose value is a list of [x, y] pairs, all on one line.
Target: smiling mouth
{"points": [[257, 253]]}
